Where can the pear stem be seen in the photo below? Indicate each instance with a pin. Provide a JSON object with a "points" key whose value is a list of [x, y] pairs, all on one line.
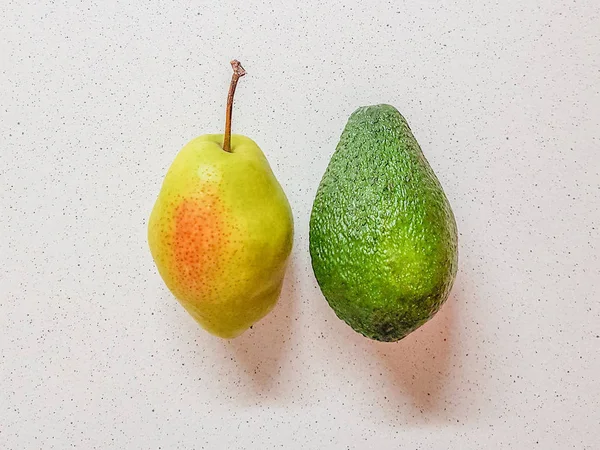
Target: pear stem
{"points": [[238, 71]]}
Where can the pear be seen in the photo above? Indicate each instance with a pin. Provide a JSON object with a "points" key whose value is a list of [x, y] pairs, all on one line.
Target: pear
{"points": [[221, 230]]}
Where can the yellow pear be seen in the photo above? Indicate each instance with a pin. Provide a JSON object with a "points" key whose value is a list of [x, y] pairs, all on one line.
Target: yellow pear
{"points": [[221, 229]]}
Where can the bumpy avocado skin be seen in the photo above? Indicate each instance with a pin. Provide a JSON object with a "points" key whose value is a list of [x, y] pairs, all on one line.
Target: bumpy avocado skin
{"points": [[383, 237]]}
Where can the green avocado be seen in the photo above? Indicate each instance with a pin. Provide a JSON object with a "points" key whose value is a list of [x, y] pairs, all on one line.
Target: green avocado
{"points": [[383, 239]]}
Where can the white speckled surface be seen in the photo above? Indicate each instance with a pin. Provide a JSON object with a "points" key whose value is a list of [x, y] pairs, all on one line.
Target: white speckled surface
{"points": [[97, 97]]}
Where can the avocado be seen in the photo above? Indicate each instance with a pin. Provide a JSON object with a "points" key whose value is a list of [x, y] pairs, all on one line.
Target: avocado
{"points": [[383, 238]]}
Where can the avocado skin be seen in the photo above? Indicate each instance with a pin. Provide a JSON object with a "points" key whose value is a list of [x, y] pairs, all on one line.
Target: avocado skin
{"points": [[383, 238]]}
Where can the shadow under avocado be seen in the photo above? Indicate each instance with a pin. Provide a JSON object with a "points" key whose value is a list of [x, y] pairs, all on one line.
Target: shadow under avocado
{"points": [[259, 350], [421, 363], [416, 370]]}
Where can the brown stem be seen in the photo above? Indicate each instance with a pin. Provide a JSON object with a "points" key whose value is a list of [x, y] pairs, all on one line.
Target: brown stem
{"points": [[238, 71]]}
